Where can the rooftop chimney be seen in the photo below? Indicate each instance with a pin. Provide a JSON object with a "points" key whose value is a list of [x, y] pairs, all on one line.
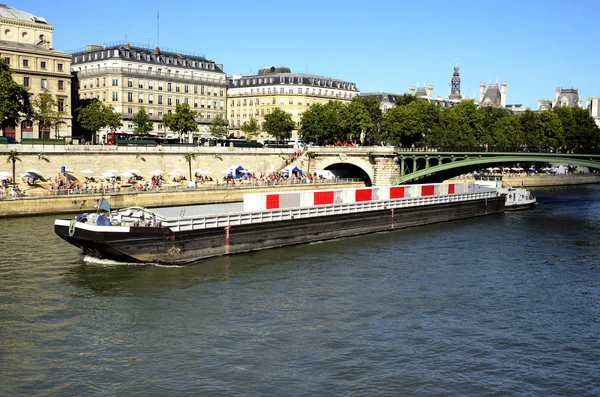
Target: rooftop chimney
{"points": [[481, 91]]}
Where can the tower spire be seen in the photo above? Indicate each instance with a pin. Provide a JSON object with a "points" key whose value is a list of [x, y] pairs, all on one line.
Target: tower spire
{"points": [[455, 85]]}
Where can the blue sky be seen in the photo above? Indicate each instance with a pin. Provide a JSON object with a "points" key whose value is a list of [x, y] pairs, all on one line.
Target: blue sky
{"points": [[382, 46]]}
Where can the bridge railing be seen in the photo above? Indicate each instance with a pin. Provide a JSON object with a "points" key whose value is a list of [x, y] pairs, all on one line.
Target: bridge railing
{"points": [[500, 149]]}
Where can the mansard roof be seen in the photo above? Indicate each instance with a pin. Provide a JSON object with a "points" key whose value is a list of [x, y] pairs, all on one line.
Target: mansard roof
{"points": [[141, 54], [492, 95], [285, 77], [12, 13], [382, 97]]}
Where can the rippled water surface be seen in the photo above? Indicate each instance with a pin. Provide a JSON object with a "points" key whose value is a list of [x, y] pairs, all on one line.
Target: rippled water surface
{"points": [[507, 305]]}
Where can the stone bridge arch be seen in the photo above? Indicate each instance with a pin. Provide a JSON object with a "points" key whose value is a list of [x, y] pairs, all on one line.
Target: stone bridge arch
{"points": [[323, 162]]}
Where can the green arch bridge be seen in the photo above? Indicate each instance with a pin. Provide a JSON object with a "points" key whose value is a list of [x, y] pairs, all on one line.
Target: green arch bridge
{"points": [[436, 166]]}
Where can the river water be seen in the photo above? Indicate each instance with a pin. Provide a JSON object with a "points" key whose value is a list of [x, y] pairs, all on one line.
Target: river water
{"points": [[506, 305]]}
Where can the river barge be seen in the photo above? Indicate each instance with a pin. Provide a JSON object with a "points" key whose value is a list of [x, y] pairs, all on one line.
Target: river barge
{"points": [[271, 220]]}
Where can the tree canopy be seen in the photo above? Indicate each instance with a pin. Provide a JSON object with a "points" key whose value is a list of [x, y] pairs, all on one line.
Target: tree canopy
{"points": [[250, 128], [279, 124], [218, 128], [46, 112], [14, 99], [142, 122], [96, 115], [182, 121]]}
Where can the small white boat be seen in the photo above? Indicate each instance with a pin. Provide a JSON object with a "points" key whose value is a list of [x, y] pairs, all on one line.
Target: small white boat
{"points": [[516, 198]]}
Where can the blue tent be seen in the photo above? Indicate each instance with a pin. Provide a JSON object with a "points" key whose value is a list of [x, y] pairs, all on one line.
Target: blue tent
{"points": [[291, 169], [236, 171]]}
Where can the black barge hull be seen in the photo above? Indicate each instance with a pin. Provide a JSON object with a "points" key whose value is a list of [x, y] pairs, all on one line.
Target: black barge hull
{"points": [[161, 245]]}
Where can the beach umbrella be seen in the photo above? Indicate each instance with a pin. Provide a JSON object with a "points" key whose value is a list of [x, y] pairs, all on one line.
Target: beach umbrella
{"points": [[3, 177], [271, 170], [32, 171], [112, 171], [205, 172], [134, 171], [156, 172], [87, 172], [108, 174], [127, 174], [5, 173], [68, 170], [175, 173]]}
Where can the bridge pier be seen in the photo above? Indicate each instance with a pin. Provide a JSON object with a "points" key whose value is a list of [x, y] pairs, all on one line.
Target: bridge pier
{"points": [[386, 169]]}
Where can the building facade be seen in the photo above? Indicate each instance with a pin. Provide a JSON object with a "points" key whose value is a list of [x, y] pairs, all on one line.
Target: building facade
{"points": [[26, 46], [563, 97], [277, 87], [129, 77], [593, 106]]}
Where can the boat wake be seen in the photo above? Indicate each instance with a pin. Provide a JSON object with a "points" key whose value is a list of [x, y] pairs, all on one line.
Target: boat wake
{"points": [[92, 260]]}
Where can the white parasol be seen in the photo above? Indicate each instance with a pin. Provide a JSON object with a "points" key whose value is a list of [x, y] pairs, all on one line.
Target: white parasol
{"points": [[108, 174], [175, 173], [87, 172], [112, 171], [134, 171], [127, 174]]}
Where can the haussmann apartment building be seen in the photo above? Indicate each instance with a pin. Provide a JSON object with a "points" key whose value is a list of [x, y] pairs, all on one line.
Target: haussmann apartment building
{"points": [[129, 77], [26, 46], [277, 87]]}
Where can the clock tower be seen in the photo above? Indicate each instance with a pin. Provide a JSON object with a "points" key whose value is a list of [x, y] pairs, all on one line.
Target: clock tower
{"points": [[455, 85]]}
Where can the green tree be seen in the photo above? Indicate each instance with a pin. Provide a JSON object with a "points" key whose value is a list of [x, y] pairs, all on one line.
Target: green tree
{"points": [[337, 122], [313, 124], [531, 128], [589, 133], [96, 115], [182, 121], [45, 110], [489, 116], [279, 124], [13, 157], [189, 157], [218, 127], [470, 127], [360, 122], [506, 132], [14, 99], [413, 124], [551, 129], [142, 122], [371, 122], [113, 119], [405, 99], [250, 128]]}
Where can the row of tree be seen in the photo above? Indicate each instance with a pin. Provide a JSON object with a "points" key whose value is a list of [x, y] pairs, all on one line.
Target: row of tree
{"points": [[416, 122]]}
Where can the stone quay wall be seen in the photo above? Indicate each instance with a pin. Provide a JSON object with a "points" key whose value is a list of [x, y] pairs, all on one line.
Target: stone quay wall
{"points": [[49, 159]]}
